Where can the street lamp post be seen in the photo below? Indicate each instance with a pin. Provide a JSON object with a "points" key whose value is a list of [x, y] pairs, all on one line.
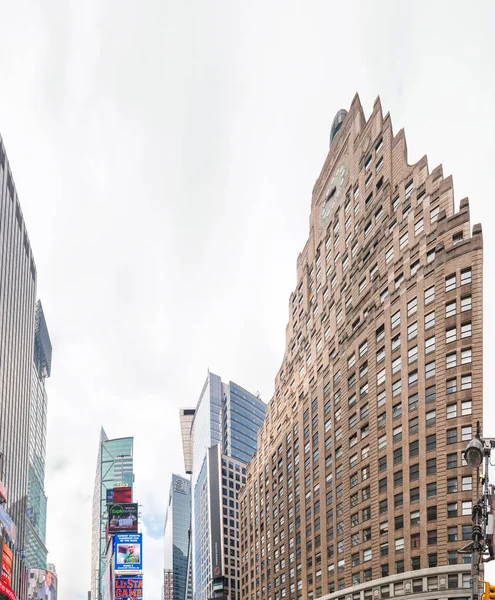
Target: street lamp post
{"points": [[477, 450]]}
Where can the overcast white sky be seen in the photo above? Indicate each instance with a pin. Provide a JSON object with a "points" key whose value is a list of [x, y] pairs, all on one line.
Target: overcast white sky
{"points": [[164, 155]]}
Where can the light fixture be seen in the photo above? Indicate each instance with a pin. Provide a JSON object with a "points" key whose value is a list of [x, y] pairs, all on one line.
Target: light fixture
{"points": [[473, 454]]}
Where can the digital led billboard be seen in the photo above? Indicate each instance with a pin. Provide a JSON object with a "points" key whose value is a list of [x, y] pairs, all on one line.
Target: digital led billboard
{"points": [[122, 517], [6, 565], [128, 551], [129, 586], [42, 585]]}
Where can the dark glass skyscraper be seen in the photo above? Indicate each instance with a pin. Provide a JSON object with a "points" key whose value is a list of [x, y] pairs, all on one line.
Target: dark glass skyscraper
{"points": [[176, 539], [36, 552], [17, 309]]}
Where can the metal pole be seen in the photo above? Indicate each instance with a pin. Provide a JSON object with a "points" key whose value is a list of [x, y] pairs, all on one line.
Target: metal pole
{"points": [[477, 548]]}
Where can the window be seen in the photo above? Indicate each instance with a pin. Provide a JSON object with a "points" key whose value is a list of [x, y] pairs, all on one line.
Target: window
{"points": [[397, 433], [452, 509], [403, 241], [451, 408], [431, 489], [380, 377], [414, 267], [466, 330], [430, 295], [382, 442], [466, 356], [412, 355], [467, 484], [466, 303], [430, 256], [452, 438], [418, 227], [466, 276], [467, 508], [395, 320], [450, 283], [434, 214], [399, 544], [452, 485], [412, 306], [431, 442], [466, 407], [451, 360], [414, 472], [430, 394], [430, 345], [450, 335], [430, 369], [363, 348], [415, 517], [397, 456], [390, 255], [398, 280], [414, 425], [466, 382], [450, 309], [381, 399], [412, 330], [430, 320], [396, 388], [396, 365], [452, 533], [431, 466], [432, 537], [414, 495], [395, 342], [431, 418], [380, 333], [382, 463]]}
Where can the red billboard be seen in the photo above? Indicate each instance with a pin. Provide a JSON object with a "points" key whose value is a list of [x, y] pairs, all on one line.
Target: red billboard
{"points": [[6, 591], [129, 586], [122, 495], [6, 564]]}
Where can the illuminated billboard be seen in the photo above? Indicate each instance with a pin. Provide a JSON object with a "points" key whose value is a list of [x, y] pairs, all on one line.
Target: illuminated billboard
{"points": [[6, 565], [128, 551], [6, 591], [42, 585], [122, 517], [129, 586]]}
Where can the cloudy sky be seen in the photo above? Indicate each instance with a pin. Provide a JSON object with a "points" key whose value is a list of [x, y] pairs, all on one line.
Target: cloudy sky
{"points": [[164, 155]]}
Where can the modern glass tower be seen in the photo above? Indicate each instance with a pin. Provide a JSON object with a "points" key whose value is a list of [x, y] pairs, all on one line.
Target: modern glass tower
{"points": [[36, 552], [176, 538], [17, 311], [114, 467], [225, 423], [359, 489]]}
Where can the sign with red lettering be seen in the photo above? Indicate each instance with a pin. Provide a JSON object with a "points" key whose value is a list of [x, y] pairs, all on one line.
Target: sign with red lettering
{"points": [[5, 589], [129, 586]]}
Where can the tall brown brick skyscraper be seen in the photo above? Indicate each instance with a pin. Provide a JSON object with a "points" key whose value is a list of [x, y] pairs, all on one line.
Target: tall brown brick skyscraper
{"points": [[358, 489]]}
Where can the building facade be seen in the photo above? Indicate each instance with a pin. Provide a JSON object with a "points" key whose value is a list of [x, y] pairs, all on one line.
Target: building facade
{"points": [[224, 428], [36, 552], [176, 539], [17, 311], [114, 468], [358, 490]]}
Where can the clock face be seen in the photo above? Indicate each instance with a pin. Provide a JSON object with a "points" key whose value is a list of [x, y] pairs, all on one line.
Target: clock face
{"points": [[334, 192]]}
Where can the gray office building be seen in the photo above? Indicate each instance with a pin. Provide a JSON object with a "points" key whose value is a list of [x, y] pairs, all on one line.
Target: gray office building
{"points": [[176, 539], [223, 438], [17, 315]]}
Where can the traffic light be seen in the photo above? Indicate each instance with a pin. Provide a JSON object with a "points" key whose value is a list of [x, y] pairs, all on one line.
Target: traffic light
{"points": [[489, 591]]}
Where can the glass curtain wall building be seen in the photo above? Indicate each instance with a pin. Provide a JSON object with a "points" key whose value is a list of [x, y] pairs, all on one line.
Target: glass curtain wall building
{"points": [[114, 467], [17, 311], [176, 539], [226, 419], [36, 552]]}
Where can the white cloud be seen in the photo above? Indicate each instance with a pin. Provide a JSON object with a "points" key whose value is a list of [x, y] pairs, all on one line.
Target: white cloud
{"points": [[164, 159]]}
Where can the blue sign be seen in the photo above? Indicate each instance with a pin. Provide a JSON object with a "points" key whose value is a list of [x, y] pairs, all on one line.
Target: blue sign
{"points": [[128, 551], [8, 524]]}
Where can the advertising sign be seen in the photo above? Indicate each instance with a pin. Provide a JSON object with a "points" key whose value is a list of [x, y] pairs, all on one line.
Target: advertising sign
{"points": [[5, 589], [122, 495], [128, 551], [129, 586], [42, 585], [3, 492], [8, 524], [122, 517], [6, 565]]}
